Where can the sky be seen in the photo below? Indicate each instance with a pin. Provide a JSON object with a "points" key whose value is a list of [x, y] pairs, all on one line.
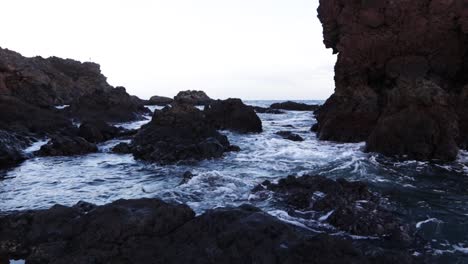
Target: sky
{"points": [[249, 49]]}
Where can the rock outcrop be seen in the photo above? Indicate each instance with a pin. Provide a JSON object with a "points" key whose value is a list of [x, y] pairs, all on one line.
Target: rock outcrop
{"points": [[11, 149], [289, 136], [192, 97], [96, 131], [233, 114], [67, 146], [177, 133], [294, 106], [401, 76], [160, 100], [152, 231]]}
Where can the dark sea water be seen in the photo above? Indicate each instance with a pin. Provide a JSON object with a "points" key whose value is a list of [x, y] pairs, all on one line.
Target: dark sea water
{"points": [[432, 197]]}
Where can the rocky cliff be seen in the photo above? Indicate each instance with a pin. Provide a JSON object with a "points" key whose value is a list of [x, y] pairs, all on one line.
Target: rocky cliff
{"points": [[401, 76]]}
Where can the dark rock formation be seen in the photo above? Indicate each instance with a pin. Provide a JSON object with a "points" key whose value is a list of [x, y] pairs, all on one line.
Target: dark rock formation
{"points": [[289, 135], [294, 106], [400, 76], [67, 146], [160, 100], [11, 149], [151, 231], [48, 82], [179, 132], [265, 110], [115, 105], [353, 207], [233, 114], [122, 148], [192, 97], [96, 131]]}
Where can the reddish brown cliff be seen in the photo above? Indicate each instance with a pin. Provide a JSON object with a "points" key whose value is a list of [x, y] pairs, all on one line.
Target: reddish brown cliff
{"points": [[401, 75]]}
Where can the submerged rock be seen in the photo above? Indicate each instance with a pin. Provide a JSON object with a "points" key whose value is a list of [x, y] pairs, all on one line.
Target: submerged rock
{"points": [[289, 135], [115, 105], [233, 114], [177, 133], [192, 97], [349, 206], [399, 81], [152, 231], [67, 146], [294, 106], [160, 100]]}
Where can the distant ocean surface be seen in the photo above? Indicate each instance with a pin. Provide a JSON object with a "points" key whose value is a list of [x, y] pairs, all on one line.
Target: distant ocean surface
{"points": [[430, 196]]}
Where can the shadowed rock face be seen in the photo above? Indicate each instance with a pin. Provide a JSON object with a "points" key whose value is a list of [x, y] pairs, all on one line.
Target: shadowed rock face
{"points": [[152, 231], [401, 76], [233, 114]]}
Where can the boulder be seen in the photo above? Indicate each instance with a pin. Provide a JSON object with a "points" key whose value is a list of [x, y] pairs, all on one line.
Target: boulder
{"points": [[192, 97], [160, 100], [294, 106], [265, 110], [96, 131], [122, 148], [115, 105], [11, 147], [289, 135], [152, 231], [66, 146], [176, 133], [399, 77], [233, 114]]}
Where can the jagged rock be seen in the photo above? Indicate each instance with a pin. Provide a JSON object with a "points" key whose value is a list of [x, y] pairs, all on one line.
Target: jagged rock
{"points": [[160, 100], [399, 77], [192, 97], [96, 131], [67, 146], [11, 149], [152, 231], [294, 106], [265, 110], [350, 205], [122, 148], [48, 82], [233, 114], [289, 135], [177, 133], [115, 105]]}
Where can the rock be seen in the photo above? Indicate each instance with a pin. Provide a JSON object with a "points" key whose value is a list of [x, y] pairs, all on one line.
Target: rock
{"points": [[399, 81], [186, 177], [265, 110], [289, 135], [350, 206], [11, 147], [233, 114], [160, 100], [67, 146], [115, 105], [192, 97], [48, 82], [96, 131], [152, 231], [293, 106], [178, 133], [122, 148]]}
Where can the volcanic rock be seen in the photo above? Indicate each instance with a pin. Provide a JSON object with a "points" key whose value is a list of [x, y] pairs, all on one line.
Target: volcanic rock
{"points": [[176, 133], [160, 100], [294, 106], [399, 77], [67, 146], [192, 97], [233, 114], [265, 110], [11, 149], [289, 135], [96, 131]]}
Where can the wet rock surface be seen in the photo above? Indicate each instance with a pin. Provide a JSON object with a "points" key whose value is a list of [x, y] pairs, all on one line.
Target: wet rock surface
{"points": [[289, 136], [67, 146], [399, 77], [176, 133], [152, 231], [348, 206], [234, 115], [267, 110], [11, 147], [294, 106], [193, 98], [96, 131]]}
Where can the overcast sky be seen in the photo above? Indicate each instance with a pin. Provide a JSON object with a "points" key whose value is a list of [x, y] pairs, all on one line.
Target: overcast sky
{"points": [[252, 49]]}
